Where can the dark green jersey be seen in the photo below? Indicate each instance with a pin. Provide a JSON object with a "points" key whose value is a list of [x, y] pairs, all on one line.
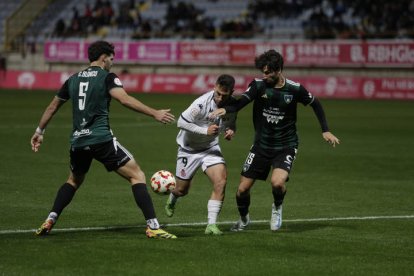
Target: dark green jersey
{"points": [[89, 92], [274, 112]]}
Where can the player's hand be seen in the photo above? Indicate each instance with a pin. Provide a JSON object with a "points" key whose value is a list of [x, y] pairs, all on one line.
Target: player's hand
{"points": [[36, 141], [228, 135], [213, 130], [164, 116], [330, 138], [217, 113]]}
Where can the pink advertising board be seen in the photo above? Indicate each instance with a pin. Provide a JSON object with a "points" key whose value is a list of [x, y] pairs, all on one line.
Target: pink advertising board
{"points": [[152, 52]]}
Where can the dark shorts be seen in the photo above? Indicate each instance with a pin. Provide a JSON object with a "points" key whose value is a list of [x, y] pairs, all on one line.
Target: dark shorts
{"points": [[257, 164], [111, 154]]}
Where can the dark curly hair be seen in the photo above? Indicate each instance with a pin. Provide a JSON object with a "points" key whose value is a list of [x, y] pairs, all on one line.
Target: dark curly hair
{"points": [[99, 48], [272, 59]]}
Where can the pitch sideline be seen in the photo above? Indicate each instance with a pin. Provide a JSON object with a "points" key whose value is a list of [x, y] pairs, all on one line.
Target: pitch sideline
{"points": [[20, 231]]}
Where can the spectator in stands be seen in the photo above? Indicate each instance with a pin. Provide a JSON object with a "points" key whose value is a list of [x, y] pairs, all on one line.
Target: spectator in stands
{"points": [[87, 16], [75, 24], [3, 66], [60, 28], [107, 13]]}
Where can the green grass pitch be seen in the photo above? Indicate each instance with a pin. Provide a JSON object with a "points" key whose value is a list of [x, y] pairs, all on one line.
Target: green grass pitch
{"points": [[349, 210]]}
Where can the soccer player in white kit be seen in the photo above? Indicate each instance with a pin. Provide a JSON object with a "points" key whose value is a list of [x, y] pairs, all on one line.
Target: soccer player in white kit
{"points": [[198, 146]]}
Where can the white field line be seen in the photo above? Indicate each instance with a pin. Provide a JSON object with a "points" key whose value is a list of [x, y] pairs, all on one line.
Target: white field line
{"points": [[101, 228], [69, 126]]}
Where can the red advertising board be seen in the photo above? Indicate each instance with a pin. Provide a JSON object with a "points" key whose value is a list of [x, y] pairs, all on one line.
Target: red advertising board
{"points": [[203, 53], [323, 53], [323, 87], [242, 53]]}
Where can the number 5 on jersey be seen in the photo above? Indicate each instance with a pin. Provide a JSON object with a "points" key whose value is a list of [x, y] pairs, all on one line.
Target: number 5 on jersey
{"points": [[83, 87]]}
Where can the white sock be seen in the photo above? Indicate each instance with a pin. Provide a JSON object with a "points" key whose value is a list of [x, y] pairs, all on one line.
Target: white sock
{"points": [[153, 224], [53, 216], [214, 208]]}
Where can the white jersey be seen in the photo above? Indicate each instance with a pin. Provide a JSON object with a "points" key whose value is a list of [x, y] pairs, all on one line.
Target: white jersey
{"points": [[194, 122]]}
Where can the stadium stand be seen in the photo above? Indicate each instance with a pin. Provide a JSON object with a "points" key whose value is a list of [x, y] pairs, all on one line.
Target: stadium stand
{"points": [[6, 9], [261, 20], [213, 19], [274, 19], [146, 19]]}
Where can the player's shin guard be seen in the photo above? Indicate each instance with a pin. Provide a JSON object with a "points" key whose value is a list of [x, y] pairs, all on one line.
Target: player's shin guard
{"points": [[63, 197], [243, 203], [278, 195], [143, 200]]}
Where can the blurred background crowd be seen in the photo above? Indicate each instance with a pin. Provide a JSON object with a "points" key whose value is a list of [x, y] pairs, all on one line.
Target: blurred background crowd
{"points": [[213, 19]]}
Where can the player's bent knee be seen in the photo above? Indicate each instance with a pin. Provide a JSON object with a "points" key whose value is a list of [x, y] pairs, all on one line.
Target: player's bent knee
{"points": [[137, 177], [278, 184], [241, 191], [181, 191], [75, 180], [220, 186]]}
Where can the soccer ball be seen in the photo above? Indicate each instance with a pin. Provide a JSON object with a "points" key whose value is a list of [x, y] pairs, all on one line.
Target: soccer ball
{"points": [[162, 182]]}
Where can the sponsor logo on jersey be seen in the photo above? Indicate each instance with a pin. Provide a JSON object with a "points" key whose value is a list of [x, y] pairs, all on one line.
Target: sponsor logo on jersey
{"points": [[274, 119], [83, 132], [264, 96]]}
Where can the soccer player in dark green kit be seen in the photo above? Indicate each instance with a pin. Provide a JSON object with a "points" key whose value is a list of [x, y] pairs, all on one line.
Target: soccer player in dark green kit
{"points": [[276, 140], [90, 92]]}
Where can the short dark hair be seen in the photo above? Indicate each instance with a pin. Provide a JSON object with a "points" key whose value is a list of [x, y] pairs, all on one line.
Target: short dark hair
{"points": [[226, 82], [99, 48], [272, 59]]}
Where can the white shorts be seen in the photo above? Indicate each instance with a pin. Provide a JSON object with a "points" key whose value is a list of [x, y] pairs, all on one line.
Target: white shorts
{"points": [[188, 162]]}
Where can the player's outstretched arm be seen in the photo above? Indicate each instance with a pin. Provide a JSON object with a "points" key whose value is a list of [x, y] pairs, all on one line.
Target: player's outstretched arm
{"points": [[37, 138], [161, 115], [235, 106], [320, 114]]}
